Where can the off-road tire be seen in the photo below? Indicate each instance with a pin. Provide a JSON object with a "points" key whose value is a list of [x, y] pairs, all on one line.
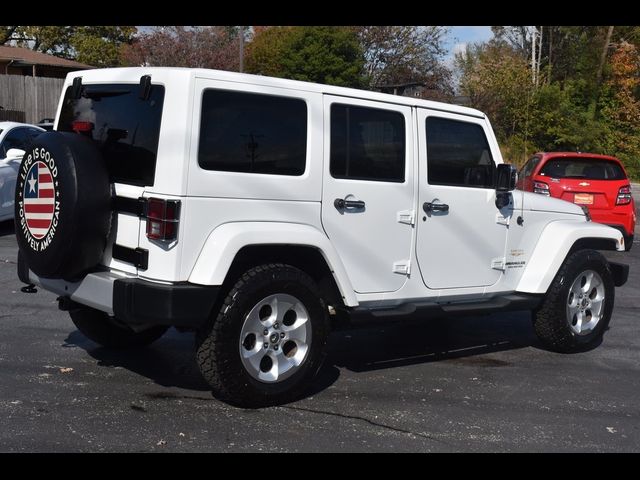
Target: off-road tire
{"points": [[550, 319], [106, 331], [217, 344]]}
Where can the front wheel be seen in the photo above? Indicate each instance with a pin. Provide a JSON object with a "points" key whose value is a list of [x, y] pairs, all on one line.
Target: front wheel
{"points": [[266, 343], [578, 305]]}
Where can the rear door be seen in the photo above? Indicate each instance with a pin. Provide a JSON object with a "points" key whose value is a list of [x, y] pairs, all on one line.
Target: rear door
{"points": [[126, 127], [368, 190]]}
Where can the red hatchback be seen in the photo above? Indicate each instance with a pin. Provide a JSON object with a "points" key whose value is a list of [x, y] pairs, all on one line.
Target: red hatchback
{"points": [[598, 182]]}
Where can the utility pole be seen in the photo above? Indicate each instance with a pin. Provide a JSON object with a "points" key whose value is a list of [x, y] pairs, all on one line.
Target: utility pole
{"points": [[241, 41]]}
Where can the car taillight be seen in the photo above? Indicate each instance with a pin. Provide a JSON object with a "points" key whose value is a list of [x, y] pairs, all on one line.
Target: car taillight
{"points": [[624, 195], [541, 188], [163, 217]]}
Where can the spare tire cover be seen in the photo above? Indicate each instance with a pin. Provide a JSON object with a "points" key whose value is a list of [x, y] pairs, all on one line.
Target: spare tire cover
{"points": [[62, 205]]}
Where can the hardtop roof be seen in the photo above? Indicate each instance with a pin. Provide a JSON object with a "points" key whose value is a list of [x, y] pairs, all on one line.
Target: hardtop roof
{"points": [[101, 75]]}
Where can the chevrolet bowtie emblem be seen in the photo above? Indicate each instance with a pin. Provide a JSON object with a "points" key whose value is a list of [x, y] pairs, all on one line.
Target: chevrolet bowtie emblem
{"points": [[584, 184]]}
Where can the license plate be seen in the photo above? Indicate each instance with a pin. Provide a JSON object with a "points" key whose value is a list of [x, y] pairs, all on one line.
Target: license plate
{"points": [[583, 199]]}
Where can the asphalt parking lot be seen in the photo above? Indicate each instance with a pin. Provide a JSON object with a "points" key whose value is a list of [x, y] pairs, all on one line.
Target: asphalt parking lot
{"points": [[467, 384]]}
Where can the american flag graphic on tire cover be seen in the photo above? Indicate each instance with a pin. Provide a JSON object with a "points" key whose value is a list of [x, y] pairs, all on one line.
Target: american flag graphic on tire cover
{"points": [[39, 199]]}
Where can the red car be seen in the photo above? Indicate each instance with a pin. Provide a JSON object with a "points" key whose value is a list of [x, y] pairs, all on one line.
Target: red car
{"points": [[599, 182]]}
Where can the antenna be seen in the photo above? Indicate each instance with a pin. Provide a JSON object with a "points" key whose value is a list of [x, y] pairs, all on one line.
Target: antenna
{"points": [[526, 136]]}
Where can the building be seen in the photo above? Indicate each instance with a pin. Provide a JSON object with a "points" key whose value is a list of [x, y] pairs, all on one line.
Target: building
{"points": [[30, 83], [22, 61]]}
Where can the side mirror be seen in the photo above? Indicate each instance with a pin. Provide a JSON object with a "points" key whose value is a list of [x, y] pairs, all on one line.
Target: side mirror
{"points": [[506, 177], [15, 153]]}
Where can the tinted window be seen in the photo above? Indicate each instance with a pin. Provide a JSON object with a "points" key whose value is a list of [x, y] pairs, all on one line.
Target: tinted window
{"points": [[589, 168], [367, 144], [125, 127], [18, 137], [458, 154], [529, 167], [247, 132]]}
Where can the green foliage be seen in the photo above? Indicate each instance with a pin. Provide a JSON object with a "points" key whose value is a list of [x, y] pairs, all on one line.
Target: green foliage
{"points": [[99, 46], [588, 98], [330, 55]]}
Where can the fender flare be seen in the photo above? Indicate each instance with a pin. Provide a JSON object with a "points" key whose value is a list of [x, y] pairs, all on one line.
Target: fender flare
{"points": [[553, 246], [226, 240]]}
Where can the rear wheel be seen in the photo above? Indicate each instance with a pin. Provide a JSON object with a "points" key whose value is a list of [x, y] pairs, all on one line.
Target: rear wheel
{"points": [[108, 332], [266, 343], [578, 305]]}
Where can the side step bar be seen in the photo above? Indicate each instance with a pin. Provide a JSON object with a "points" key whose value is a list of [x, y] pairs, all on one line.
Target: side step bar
{"points": [[501, 303]]}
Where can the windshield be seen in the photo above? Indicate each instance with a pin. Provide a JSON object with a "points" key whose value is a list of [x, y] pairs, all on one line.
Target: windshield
{"points": [[587, 168], [126, 127]]}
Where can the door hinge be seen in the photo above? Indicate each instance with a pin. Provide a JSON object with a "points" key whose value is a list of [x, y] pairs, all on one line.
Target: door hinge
{"points": [[407, 216], [501, 219], [498, 263], [403, 267]]}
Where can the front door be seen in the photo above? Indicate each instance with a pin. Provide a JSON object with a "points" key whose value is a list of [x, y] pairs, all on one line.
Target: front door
{"points": [[461, 233], [368, 190]]}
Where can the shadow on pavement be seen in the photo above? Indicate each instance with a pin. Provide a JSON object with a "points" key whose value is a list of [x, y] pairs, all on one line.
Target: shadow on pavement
{"points": [[7, 228], [423, 340], [170, 361]]}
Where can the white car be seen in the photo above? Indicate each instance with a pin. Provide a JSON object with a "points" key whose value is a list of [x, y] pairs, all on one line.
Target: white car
{"points": [[249, 209], [13, 140]]}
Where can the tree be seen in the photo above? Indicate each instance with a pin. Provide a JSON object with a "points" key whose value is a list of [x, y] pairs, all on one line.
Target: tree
{"points": [[265, 53], [95, 45], [6, 33], [330, 55], [196, 47], [405, 54], [101, 46], [620, 109], [496, 79], [587, 94]]}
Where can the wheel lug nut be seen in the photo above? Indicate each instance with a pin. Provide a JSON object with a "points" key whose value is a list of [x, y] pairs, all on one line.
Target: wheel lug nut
{"points": [[266, 332], [281, 334], [266, 345], [276, 325], [275, 347]]}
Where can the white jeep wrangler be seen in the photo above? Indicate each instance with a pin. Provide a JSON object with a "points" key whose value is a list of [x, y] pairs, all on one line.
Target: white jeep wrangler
{"points": [[250, 209]]}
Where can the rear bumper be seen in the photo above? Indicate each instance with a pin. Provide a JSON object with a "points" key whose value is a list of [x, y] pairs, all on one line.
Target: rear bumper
{"points": [[137, 301], [622, 229], [132, 300]]}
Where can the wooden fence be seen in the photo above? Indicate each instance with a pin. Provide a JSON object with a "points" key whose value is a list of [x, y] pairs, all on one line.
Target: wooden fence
{"points": [[37, 97]]}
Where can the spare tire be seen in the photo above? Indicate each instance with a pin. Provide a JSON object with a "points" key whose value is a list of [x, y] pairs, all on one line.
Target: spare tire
{"points": [[62, 205]]}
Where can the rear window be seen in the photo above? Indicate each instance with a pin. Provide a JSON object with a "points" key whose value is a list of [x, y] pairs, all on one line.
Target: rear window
{"points": [[588, 168], [125, 127]]}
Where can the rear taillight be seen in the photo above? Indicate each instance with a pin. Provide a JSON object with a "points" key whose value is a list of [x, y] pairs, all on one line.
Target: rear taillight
{"points": [[163, 217], [541, 188], [624, 195]]}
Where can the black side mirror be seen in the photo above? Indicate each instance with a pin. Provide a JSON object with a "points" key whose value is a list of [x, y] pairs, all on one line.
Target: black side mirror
{"points": [[506, 177]]}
